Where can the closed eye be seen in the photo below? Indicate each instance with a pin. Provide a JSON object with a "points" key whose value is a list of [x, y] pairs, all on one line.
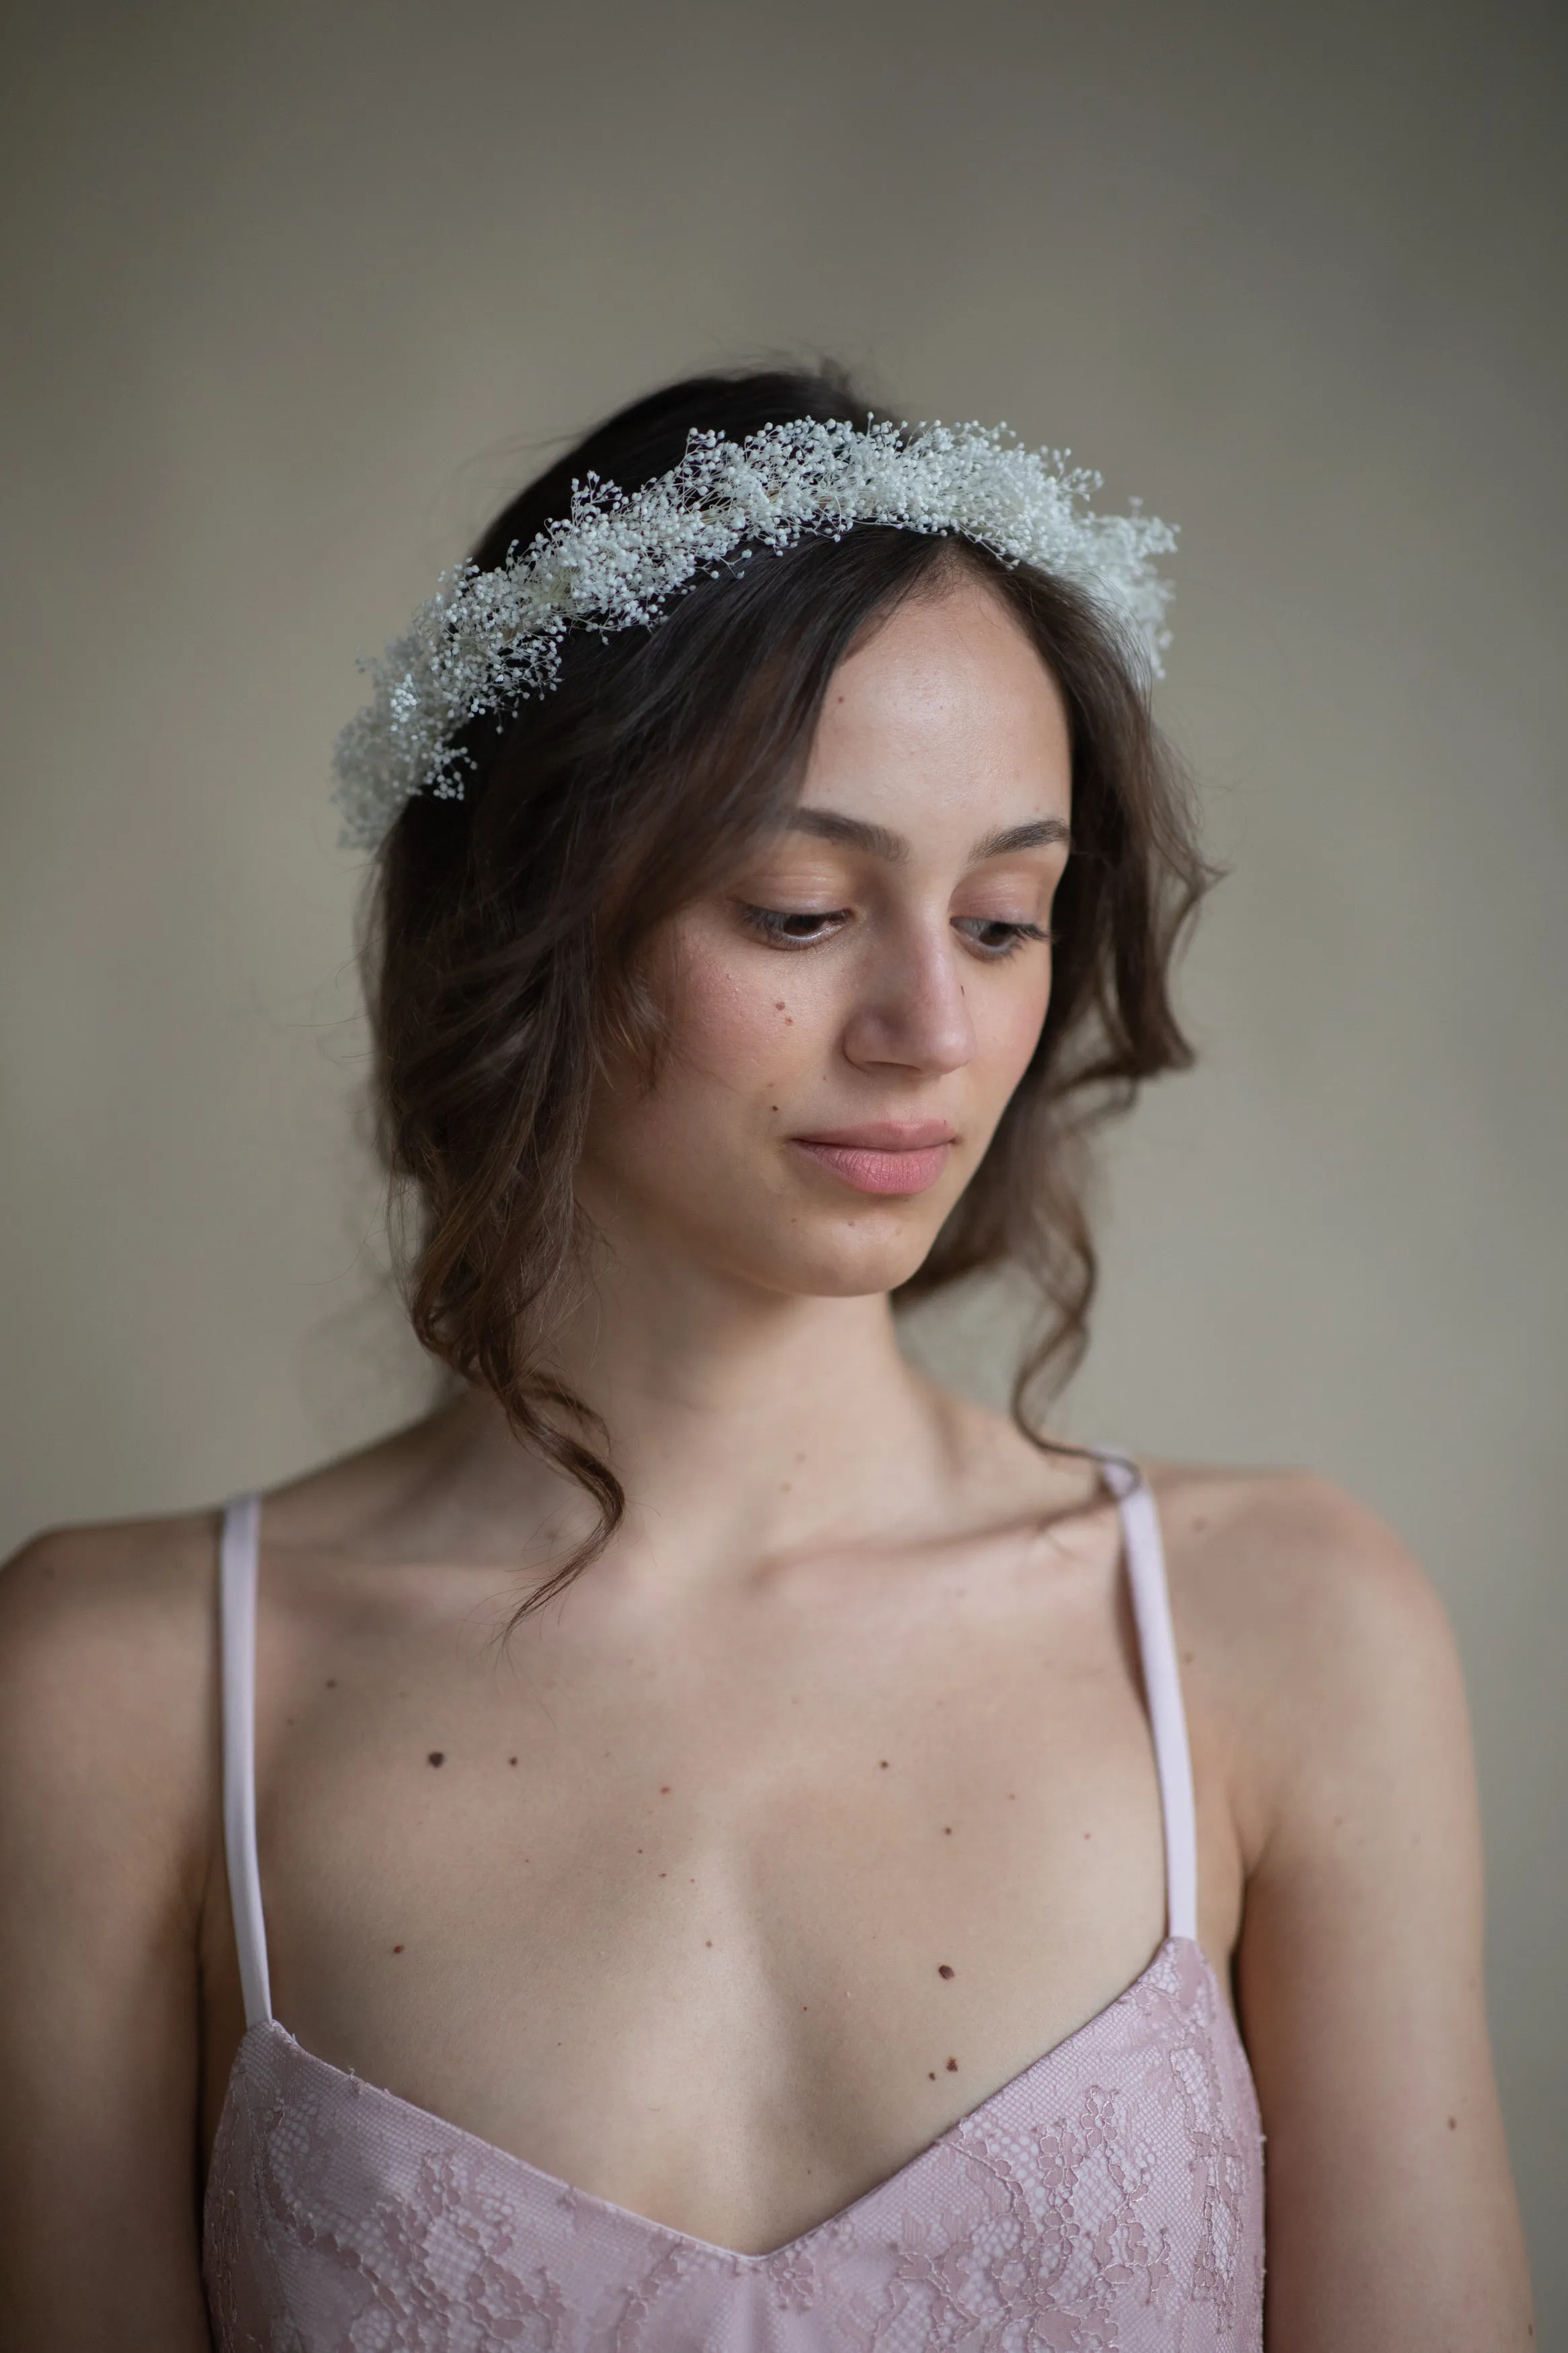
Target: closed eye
{"points": [[991, 937], [784, 928], [996, 940]]}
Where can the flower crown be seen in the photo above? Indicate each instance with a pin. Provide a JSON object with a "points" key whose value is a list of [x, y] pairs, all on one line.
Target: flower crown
{"points": [[486, 641]]}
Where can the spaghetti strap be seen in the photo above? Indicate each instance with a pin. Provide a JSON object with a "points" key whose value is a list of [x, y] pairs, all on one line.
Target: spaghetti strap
{"points": [[1147, 1582], [237, 1644]]}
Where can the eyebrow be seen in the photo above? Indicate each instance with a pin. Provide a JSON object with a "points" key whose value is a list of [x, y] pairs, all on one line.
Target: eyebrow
{"points": [[881, 841]]}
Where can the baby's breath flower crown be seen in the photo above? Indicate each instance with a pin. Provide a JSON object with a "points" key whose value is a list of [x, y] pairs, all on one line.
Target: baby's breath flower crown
{"points": [[487, 640]]}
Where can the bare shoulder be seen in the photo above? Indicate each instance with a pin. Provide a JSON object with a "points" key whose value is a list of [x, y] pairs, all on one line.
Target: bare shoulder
{"points": [[1328, 1682], [107, 1582], [1262, 1545], [1312, 1638], [106, 1675], [108, 1824]]}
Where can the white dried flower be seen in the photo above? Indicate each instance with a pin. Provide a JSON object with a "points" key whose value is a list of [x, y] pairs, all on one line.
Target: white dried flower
{"points": [[486, 641]]}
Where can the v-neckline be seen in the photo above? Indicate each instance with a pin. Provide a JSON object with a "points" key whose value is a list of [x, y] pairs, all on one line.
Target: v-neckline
{"points": [[555, 2184]]}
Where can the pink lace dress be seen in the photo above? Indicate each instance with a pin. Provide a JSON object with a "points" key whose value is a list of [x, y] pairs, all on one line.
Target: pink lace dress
{"points": [[1108, 2199]]}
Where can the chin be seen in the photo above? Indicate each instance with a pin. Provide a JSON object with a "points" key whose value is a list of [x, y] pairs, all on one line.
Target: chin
{"points": [[847, 1265]]}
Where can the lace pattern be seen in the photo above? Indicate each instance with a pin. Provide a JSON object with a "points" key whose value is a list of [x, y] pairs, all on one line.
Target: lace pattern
{"points": [[1108, 2199]]}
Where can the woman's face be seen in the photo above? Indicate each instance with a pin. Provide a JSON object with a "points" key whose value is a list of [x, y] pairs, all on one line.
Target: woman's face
{"points": [[849, 1016]]}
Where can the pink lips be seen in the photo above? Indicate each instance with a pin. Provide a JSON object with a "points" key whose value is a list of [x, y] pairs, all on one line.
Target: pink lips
{"points": [[884, 1156]]}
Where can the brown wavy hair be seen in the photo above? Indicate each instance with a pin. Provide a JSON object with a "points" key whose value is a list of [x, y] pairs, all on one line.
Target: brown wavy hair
{"points": [[504, 949]]}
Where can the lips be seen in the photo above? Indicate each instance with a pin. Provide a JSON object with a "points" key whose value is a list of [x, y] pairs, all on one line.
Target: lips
{"points": [[889, 1157]]}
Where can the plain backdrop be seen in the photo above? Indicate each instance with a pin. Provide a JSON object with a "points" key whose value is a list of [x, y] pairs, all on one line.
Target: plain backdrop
{"points": [[295, 295]]}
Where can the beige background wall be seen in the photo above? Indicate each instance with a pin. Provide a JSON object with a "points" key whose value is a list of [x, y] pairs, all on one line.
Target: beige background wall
{"points": [[296, 292]]}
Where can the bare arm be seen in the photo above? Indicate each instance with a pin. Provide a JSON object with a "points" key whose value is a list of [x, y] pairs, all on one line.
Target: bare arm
{"points": [[106, 1733], [1392, 2224]]}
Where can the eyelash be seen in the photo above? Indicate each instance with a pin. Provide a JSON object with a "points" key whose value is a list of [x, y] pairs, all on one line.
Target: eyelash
{"points": [[769, 922]]}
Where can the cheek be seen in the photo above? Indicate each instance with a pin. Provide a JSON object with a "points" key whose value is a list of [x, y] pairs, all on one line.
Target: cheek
{"points": [[1012, 1030], [719, 1020], [739, 1031]]}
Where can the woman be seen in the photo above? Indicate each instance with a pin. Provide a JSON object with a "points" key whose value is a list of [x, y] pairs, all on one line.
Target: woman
{"points": [[744, 1858]]}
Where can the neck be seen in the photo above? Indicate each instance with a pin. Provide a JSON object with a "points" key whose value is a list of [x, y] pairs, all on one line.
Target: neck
{"points": [[740, 1423]]}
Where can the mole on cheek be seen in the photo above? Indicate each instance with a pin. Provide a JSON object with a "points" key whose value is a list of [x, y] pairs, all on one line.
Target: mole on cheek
{"points": [[436, 1756], [953, 2066], [944, 1970]]}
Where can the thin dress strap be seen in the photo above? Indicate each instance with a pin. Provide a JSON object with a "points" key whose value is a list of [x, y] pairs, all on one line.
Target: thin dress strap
{"points": [[1145, 1552], [236, 1643]]}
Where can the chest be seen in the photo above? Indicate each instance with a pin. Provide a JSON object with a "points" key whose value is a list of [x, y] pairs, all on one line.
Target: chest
{"points": [[724, 1920]]}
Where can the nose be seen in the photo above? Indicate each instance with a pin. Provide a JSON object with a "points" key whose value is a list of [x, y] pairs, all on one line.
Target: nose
{"points": [[911, 1012]]}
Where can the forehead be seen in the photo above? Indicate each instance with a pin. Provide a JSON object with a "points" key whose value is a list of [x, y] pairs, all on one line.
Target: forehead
{"points": [[946, 707]]}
